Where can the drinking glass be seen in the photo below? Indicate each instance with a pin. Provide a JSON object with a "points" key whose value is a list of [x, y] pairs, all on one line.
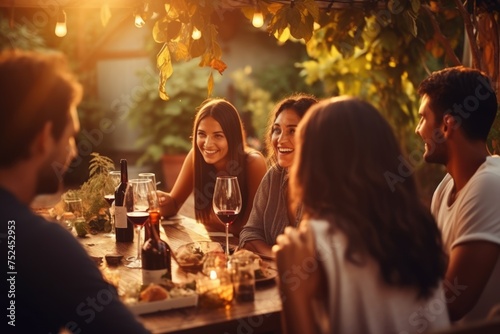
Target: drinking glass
{"points": [[73, 214], [138, 194], [227, 202], [109, 196], [150, 176]]}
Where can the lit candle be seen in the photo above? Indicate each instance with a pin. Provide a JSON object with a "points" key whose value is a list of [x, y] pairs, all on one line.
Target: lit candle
{"points": [[215, 290]]}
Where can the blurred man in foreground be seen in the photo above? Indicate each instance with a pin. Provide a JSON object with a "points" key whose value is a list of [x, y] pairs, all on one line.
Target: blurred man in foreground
{"points": [[52, 282]]}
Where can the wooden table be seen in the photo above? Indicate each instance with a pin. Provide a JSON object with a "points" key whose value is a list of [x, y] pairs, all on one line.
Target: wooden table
{"points": [[260, 316]]}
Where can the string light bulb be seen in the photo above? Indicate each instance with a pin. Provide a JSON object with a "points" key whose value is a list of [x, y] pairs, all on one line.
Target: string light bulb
{"points": [[257, 19], [142, 13], [61, 28], [139, 21], [196, 34]]}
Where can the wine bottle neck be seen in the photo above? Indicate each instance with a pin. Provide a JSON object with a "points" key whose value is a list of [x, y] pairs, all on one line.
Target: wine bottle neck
{"points": [[123, 171]]}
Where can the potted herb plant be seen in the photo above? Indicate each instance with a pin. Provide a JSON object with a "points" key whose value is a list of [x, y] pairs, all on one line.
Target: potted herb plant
{"points": [[91, 193]]}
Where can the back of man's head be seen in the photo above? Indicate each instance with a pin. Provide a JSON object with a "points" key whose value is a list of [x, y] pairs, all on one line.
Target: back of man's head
{"points": [[35, 88], [464, 93]]}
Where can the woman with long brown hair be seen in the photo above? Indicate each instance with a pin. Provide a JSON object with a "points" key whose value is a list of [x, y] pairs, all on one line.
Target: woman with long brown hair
{"points": [[368, 257], [270, 213], [219, 148]]}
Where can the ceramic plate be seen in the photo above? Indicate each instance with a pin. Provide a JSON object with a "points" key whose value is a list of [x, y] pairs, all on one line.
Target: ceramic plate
{"points": [[163, 305], [173, 220], [269, 275]]}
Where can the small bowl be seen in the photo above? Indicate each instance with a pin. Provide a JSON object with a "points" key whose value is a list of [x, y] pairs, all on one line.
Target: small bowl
{"points": [[113, 259], [97, 260], [191, 256]]}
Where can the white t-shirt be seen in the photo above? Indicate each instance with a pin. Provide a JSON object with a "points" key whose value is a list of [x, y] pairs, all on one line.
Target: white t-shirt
{"points": [[361, 302], [474, 216]]}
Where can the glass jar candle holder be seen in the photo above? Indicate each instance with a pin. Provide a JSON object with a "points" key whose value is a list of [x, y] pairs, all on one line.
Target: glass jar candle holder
{"points": [[216, 289]]}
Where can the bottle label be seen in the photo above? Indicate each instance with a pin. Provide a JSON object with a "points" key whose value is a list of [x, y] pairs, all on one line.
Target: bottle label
{"points": [[153, 276], [120, 217]]}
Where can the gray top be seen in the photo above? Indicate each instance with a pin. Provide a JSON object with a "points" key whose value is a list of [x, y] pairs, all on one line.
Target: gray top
{"points": [[269, 215]]}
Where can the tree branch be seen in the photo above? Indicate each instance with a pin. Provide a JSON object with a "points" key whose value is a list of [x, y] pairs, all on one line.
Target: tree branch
{"points": [[469, 28], [440, 37]]}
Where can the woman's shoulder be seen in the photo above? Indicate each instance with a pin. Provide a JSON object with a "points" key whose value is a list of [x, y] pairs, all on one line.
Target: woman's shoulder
{"points": [[254, 154], [255, 158]]}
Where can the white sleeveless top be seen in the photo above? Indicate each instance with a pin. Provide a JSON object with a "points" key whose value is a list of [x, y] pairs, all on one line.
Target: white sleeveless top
{"points": [[359, 301]]}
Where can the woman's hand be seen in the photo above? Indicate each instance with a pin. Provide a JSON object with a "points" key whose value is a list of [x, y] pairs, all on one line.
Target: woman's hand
{"points": [[168, 206], [297, 261], [299, 278]]}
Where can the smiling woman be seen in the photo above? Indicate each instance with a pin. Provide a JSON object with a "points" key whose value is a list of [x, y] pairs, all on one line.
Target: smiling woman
{"points": [[219, 148], [270, 214]]}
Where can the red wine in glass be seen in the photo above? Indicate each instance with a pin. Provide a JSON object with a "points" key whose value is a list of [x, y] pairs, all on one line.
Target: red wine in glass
{"points": [[109, 198], [226, 203], [138, 217], [227, 216]]}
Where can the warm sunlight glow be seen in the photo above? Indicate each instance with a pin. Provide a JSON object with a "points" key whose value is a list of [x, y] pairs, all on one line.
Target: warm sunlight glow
{"points": [[258, 19]]}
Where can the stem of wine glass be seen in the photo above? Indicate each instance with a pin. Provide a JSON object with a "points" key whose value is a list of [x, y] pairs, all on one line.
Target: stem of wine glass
{"points": [[227, 239], [112, 214], [138, 229]]}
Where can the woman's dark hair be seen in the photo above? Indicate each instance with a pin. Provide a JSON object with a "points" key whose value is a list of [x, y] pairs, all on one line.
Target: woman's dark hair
{"points": [[297, 102], [36, 88], [346, 152], [464, 93], [205, 174]]}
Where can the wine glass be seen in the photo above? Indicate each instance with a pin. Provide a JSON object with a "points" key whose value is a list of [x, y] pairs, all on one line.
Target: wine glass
{"points": [[137, 194], [151, 176], [227, 202], [109, 196]]}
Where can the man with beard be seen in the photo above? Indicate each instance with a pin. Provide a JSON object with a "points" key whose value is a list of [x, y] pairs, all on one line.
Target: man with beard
{"points": [[51, 281], [457, 111]]}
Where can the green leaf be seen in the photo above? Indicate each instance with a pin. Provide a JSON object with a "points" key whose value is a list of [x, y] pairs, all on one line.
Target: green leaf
{"points": [[410, 23], [389, 40], [198, 47], [312, 8], [279, 21], [300, 26], [180, 50], [415, 5], [210, 83], [164, 64], [293, 17], [159, 31]]}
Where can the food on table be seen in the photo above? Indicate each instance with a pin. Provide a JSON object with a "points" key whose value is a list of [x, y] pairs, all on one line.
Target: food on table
{"points": [[243, 253], [153, 292], [261, 269], [192, 256]]}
